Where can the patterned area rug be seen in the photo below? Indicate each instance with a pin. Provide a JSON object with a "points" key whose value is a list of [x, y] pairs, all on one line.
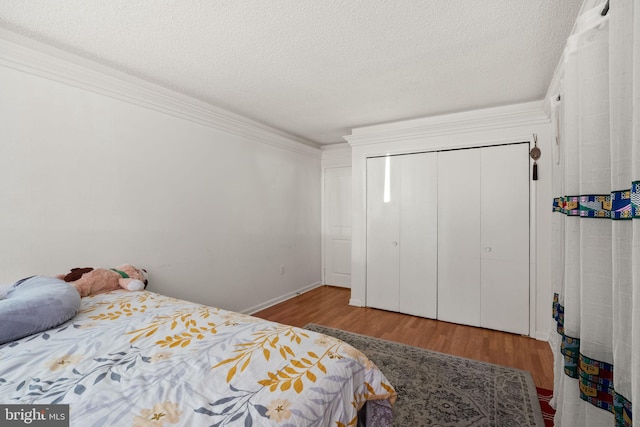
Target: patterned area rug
{"points": [[544, 397], [436, 389]]}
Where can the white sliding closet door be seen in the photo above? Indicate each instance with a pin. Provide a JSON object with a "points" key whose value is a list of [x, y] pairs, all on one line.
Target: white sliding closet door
{"points": [[383, 233], [459, 236], [483, 237], [505, 238], [448, 236], [402, 233], [419, 234]]}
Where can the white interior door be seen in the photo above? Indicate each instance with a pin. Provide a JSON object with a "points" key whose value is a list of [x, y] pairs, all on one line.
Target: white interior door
{"points": [[505, 238], [419, 234], [337, 230], [459, 236], [383, 215]]}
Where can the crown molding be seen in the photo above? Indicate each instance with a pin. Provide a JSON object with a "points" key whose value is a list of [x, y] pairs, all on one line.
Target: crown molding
{"points": [[30, 56], [526, 114], [336, 155], [336, 151]]}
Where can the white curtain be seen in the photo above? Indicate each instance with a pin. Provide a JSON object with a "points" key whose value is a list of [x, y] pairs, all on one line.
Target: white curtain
{"points": [[596, 229]]}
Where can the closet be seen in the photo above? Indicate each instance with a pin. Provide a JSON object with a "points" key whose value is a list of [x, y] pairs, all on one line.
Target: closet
{"points": [[402, 241], [448, 235]]}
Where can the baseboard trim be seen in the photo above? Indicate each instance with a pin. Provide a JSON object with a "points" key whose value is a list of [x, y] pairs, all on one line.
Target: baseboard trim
{"points": [[282, 298], [541, 336], [356, 302]]}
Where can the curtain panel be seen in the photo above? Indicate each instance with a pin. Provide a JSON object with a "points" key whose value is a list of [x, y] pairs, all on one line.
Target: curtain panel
{"points": [[596, 223]]}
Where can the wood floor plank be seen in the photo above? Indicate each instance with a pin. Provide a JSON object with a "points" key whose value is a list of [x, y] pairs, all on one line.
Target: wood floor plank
{"points": [[329, 306]]}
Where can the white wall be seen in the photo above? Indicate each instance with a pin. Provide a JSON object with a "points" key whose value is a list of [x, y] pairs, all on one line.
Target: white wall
{"points": [[515, 123], [90, 177]]}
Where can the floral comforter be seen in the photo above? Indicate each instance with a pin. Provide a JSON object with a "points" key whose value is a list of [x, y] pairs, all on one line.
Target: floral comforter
{"points": [[143, 359]]}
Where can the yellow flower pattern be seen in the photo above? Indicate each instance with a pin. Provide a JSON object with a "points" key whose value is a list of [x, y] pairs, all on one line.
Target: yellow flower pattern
{"points": [[265, 342], [278, 410], [158, 357], [165, 412], [299, 369], [63, 361], [182, 363], [120, 306]]}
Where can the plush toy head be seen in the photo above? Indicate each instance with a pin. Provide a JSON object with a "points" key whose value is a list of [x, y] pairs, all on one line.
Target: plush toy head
{"points": [[91, 281], [134, 273]]}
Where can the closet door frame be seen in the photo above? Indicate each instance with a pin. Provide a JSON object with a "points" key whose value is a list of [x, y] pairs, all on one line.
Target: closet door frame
{"points": [[464, 203], [414, 142]]}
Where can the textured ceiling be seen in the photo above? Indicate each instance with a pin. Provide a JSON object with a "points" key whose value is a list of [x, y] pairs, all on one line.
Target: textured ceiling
{"points": [[317, 68]]}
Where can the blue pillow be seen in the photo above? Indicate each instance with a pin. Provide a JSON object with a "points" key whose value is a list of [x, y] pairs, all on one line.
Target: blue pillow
{"points": [[36, 304]]}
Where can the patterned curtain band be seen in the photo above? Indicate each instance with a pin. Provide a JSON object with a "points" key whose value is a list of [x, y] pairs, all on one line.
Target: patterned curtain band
{"points": [[596, 382], [589, 206], [570, 347], [618, 205], [558, 314], [635, 199], [622, 410], [621, 205], [595, 378]]}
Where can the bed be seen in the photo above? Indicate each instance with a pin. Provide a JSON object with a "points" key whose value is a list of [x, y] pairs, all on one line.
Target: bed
{"points": [[145, 359]]}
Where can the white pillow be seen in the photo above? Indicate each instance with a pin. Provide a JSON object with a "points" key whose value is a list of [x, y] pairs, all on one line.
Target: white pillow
{"points": [[4, 289]]}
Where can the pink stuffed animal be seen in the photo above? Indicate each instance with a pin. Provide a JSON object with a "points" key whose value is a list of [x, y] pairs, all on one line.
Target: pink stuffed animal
{"points": [[90, 281]]}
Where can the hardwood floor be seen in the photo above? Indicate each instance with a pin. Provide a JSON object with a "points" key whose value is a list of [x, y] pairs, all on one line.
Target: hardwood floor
{"points": [[329, 306]]}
